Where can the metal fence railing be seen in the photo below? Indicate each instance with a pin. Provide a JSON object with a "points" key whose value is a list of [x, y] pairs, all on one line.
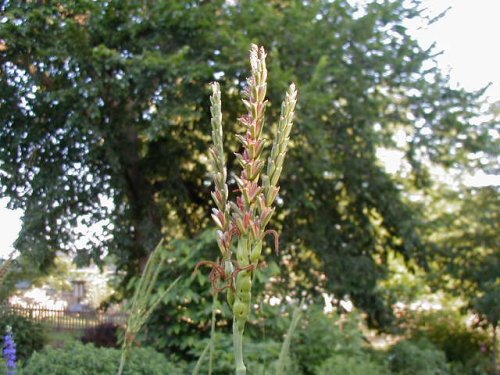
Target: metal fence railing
{"points": [[65, 319]]}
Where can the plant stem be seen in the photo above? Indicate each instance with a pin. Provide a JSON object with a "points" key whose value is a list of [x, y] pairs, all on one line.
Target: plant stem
{"points": [[238, 349], [285, 348], [197, 368], [212, 336], [122, 361]]}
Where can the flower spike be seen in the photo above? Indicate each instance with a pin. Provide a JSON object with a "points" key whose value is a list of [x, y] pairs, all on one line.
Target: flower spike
{"points": [[247, 216]]}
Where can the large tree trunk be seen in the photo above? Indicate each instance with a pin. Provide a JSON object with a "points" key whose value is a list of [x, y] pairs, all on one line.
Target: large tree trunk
{"points": [[146, 216]]}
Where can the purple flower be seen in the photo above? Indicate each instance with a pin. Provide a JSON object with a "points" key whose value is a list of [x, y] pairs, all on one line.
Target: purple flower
{"points": [[9, 352]]}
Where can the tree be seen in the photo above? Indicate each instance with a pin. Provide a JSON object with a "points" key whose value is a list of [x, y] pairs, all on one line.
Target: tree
{"points": [[104, 106], [467, 263], [108, 101]]}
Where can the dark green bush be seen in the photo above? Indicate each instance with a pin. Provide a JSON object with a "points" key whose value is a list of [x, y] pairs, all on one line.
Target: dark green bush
{"points": [[342, 364], [480, 364], [321, 336], [331, 344], [103, 335], [419, 357], [28, 335], [260, 356], [86, 359], [448, 332]]}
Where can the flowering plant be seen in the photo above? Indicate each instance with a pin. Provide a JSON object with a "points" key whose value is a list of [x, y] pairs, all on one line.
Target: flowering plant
{"points": [[247, 217], [9, 352]]}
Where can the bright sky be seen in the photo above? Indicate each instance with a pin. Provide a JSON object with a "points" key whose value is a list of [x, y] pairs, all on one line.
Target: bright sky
{"points": [[10, 224], [468, 35]]}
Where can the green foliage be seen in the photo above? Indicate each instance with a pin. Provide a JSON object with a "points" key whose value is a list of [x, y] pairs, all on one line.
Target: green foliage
{"points": [[5, 265], [28, 335], [322, 336], [468, 260], [115, 109], [341, 364], [449, 333], [144, 301], [403, 284], [260, 356], [61, 338], [183, 317], [103, 335], [418, 358], [80, 359], [111, 105], [466, 263], [285, 347], [479, 364]]}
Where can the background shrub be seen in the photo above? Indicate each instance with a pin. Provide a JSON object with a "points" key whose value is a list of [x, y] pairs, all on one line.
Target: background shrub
{"points": [[419, 357], [321, 336], [448, 332], [103, 335], [86, 359], [260, 356], [342, 364], [28, 335], [480, 364]]}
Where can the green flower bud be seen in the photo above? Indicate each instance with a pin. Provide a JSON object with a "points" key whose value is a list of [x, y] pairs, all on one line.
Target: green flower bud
{"points": [[243, 283], [240, 310], [255, 253]]}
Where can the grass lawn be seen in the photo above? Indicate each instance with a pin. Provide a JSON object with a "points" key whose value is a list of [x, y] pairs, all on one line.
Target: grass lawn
{"points": [[59, 338]]}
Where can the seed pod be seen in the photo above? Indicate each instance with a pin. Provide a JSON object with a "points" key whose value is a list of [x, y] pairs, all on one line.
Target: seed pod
{"points": [[242, 253], [246, 298], [271, 194], [240, 310], [243, 283], [217, 221], [256, 251], [241, 227], [255, 230], [280, 159], [276, 175]]}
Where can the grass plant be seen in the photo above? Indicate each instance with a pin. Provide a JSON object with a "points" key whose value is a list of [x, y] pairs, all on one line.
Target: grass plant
{"points": [[143, 303], [245, 219], [285, 348]]}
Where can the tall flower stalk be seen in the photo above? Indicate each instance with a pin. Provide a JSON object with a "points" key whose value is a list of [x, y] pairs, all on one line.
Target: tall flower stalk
{"points": [[246, 218], [9, 352]]}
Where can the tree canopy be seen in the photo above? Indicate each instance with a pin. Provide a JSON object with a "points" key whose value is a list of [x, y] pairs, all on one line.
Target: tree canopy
{"points": [[105, 117], [467, 258]]}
